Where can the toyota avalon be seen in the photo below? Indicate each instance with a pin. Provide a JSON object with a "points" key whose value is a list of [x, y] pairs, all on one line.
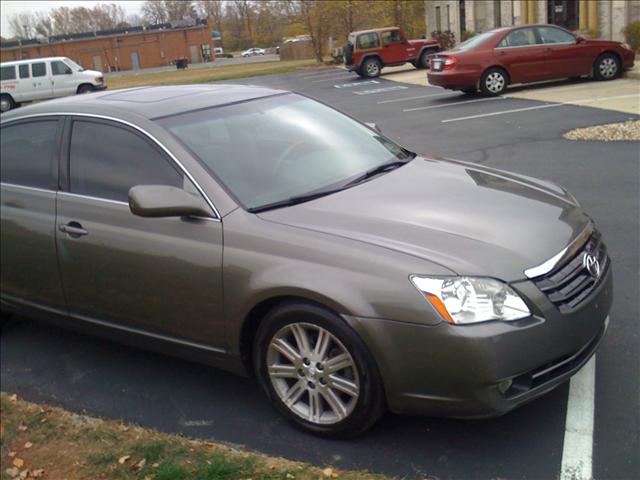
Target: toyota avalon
{"points": [[265, 233]]}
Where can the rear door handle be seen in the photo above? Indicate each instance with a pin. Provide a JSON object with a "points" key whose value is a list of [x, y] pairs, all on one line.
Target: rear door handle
{"points": [[73, 229]]}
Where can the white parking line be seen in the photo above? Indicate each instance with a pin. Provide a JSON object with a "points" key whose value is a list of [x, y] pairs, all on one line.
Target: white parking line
{"points": [[577, 451], [328, 79], [381, 90], [451, 104], [537, 107], [356, 84], [405, 99], [333, 71]]}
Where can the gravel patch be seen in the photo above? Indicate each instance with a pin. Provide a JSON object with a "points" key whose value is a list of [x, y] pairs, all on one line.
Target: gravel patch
{"points": [[611, 132]]}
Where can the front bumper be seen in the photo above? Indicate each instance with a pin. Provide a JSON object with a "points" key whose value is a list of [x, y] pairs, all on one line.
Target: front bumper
{"points": [[101, 86], [455, 370]]}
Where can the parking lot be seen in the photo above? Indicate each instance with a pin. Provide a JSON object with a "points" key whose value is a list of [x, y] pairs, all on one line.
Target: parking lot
{"points": [[516, 132]]}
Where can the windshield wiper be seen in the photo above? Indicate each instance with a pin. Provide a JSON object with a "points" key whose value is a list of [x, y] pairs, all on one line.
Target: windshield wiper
{"points": [[295, 200], [385, 167]]}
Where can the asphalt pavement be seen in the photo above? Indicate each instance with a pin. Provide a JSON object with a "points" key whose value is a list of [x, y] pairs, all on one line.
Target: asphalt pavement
{"points": [[43, 363]]}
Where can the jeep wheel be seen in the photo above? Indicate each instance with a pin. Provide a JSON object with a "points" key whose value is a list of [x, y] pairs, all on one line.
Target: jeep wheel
{"points": [[423, 61], [371, 68]]}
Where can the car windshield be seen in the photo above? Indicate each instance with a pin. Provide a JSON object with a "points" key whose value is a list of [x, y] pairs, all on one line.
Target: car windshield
{"points": [[272, 149], [73, 65], [474, 41]]}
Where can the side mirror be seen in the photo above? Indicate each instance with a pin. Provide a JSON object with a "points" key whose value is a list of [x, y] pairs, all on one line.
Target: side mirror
{"points": [[165, 201], [68, 71], [373, 126], [580, 39]]}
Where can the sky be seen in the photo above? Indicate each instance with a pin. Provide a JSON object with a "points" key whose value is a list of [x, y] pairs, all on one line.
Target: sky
{"points": [[9, 7]]}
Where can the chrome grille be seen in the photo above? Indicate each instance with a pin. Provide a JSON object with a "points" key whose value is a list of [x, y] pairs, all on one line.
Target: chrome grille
{"points": [[569, 284]]}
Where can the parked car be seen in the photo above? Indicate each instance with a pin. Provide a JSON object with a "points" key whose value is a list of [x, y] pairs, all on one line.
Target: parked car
{"points": [[368, 51], [43, 78], [493, 60], [252, 52], [348, 274], [218, 51]]}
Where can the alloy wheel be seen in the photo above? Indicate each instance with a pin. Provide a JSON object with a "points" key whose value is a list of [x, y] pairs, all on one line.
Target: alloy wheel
{"points": [[313, 373], [372, 69], [495, 82], [608, 67]]}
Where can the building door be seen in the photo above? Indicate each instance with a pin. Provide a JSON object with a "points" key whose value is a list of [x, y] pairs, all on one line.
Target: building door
{"points": [[563, 13], [135, 63], [97, 63], [194, 53]]}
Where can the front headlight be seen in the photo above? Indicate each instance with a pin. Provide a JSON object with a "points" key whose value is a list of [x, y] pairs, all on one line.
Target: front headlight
{"points": [[462, 300]]}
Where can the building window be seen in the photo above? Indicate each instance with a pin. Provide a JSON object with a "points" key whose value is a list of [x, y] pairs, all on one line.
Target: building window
{"points": [[438, 20], [463, 17], [448, 18], [497, 13]]}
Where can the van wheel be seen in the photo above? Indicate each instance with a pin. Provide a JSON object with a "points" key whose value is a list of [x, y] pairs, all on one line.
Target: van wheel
{"points": [[606, 67], [494, 82], [6, 103], [85, 89], [371, 68], [317, 371]]}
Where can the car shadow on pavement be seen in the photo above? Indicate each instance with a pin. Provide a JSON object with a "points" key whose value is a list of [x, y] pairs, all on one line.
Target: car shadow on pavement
{"points": [[43, 363]]}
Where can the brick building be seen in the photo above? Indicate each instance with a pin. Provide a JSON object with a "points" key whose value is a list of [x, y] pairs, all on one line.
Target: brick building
{"points": [[131, 49], [598, 18]]}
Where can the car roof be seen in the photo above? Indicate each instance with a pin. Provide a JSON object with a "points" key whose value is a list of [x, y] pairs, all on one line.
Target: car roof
{"points": [[149, 102], [31, 60], [371, 30]]}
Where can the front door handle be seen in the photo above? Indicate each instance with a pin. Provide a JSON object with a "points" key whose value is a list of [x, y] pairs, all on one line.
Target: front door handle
{"points": [[73, 229]]}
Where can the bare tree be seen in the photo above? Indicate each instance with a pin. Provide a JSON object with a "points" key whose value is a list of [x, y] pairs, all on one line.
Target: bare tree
{"points": [[317, 20], [22, 25], [180, 9], [154, 11], [213, 10], [43, 24]]}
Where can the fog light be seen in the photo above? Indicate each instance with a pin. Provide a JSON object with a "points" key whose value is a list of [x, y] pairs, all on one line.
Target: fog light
{"points": [[504, 385]]}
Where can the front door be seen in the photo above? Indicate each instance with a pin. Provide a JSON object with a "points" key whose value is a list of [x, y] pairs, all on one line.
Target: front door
{"points": [[29, 174], [394, 47], [565, 57], [62, 79], [135, 62], [97, 63], [156, 275], [194, 52]]}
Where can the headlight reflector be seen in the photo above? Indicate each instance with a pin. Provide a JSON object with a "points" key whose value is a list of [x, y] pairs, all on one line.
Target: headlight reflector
{"points": [[463, 300]]}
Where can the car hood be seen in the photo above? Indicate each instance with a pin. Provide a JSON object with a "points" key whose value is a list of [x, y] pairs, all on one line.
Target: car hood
{"points": [[471, 220], [92, 73]]}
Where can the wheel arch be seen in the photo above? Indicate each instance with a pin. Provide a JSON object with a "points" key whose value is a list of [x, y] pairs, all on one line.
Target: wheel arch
{"points": [[84, 84], [501, 67], [368, 56]]}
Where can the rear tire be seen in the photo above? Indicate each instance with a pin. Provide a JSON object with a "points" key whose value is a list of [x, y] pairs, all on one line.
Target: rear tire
{"points": [[6, 103], [606, 67], [371, 68], [317, 372], [86, 88], [423, 61], [494, 82]]}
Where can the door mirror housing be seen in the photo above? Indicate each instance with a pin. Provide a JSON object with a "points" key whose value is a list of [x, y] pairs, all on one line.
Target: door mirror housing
{"points": [[580, 39], [156, 201]]}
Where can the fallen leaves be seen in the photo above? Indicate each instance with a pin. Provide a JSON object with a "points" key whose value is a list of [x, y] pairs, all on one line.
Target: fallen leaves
{"points": [[18, 462], [22, 428], [13, 398], [123, 459], [28, 445]]}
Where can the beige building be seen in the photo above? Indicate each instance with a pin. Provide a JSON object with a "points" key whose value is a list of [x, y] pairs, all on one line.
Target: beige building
{"points": [[601, 18]]}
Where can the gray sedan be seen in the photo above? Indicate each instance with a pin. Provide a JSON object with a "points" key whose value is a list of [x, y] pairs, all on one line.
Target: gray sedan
{"points": [[265, 233]]}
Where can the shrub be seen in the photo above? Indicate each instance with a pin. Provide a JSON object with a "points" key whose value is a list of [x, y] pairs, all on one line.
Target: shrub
{"points": [[632, 35], [446, 39], [227, 55], [466, 35]]}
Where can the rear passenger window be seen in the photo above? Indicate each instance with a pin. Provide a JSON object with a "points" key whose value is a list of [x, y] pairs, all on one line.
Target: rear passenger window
{"points": [[392, 36], [38, 69], [8, 73], [368, 40], [106, 161], [24, 71], [27, 152]]}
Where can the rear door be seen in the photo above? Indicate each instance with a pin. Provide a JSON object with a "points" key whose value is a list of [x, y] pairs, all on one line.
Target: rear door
{"points": [[28, 178], [394, 47], [522, 56], [158, 275], [565, 57], [41, 82]]}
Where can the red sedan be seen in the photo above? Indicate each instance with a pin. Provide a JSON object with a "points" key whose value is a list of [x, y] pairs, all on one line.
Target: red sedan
{"points": [[493, 60]]}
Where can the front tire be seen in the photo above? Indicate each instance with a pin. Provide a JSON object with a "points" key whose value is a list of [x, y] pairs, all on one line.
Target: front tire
{"points": [[606, 67], [371, 68], [317, 372], [423, 61], [494, 82], [86, 88], [6, 103]]}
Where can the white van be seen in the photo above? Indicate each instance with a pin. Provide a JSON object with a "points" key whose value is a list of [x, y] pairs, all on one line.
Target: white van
{"points": [[43, 78]]}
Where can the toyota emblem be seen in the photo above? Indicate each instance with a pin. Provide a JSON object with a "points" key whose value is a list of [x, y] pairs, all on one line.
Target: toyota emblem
{"points": [[590, 262]]}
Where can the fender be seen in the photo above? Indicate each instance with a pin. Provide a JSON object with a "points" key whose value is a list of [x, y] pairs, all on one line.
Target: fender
{"points": [[369, 55], [430, 49]]}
